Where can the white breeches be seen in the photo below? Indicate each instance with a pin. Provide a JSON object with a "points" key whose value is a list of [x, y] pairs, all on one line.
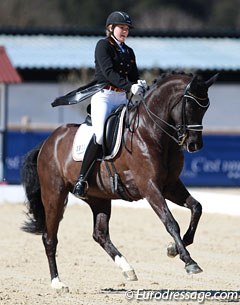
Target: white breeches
{"points": [[102, 104]]}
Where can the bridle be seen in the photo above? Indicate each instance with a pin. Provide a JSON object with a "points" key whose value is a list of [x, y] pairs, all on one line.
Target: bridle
{"points": [[182, 129]]}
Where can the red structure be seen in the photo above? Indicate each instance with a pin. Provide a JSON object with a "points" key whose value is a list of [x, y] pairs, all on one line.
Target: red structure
{"points": [[8, 73]]}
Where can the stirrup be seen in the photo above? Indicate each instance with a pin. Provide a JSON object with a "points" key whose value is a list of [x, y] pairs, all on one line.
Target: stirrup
{"points": [[80, 189]]}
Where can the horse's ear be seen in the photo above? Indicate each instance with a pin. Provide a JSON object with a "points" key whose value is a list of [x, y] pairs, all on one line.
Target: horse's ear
{"points": [[193, 81], [212, 80]]}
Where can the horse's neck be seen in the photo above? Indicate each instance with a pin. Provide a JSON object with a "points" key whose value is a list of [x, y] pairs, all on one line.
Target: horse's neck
{"points": [[156, 110], [170, 94], [160, 102]]}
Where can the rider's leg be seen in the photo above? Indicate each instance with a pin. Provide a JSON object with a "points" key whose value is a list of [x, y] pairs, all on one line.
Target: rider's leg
{"points": [[102, 104], [93, 151]]}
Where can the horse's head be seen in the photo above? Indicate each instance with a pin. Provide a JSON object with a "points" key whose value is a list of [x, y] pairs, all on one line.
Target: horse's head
{"points": [[188, 114]]}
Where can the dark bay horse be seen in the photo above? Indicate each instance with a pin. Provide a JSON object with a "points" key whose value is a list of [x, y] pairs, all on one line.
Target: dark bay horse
{"points": [[166, 121]]}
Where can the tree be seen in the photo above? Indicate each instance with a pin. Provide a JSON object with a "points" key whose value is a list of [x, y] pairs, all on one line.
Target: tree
{"points": [[161, 14]]}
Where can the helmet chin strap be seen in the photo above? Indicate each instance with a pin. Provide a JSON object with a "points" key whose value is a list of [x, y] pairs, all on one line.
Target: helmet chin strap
{"points": [[112, 32], [115, 37]]}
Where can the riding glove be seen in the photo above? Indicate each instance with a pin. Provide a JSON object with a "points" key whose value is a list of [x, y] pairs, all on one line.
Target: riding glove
{"points": [[143, 83], [139, 88]]}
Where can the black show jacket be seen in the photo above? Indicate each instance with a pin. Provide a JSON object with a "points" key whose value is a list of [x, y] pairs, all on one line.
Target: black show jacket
{"points": [[113, 66]]}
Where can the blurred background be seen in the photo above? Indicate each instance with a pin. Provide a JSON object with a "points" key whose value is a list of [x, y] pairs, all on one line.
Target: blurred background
{"points": [[47, 50], [147, 14]]}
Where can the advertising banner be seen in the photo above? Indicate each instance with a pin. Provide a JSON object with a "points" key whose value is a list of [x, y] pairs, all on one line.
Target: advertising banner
{"points": [[217, 164], [17, 145]]}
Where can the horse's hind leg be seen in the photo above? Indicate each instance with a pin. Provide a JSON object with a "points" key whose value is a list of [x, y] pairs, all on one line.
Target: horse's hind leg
{"points": [[180, 195], [54, 203], [101, 209]]}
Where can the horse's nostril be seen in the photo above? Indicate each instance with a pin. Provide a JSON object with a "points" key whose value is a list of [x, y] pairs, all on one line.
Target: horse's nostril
{"points": [[193, 146]]}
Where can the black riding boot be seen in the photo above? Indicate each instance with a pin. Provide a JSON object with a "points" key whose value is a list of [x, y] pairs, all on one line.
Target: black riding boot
{"points": [[92, 153]]}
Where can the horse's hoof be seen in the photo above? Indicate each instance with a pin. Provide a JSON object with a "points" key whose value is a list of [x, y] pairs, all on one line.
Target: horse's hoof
{"points": [[130, 275], [127, 270], [58, 285], [172, 250], [193, 268]]}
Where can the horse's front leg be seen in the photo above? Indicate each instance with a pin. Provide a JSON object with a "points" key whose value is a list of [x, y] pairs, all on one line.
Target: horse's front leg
{"points": [[180, 195], [101, 209], [159, 205]]}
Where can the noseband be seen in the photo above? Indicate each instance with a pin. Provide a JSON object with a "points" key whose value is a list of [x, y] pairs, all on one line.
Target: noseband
{"points": [[181, 130]]}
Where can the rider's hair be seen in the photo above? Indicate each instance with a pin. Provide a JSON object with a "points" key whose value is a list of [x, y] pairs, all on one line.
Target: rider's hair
{"points": [[109, 30]]}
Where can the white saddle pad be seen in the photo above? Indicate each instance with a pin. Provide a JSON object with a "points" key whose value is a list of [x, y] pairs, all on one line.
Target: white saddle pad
{"points": [[84, 135]]}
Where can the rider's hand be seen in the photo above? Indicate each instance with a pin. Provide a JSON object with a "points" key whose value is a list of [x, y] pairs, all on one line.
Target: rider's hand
{"points": [[143, 83], [139, 88]]}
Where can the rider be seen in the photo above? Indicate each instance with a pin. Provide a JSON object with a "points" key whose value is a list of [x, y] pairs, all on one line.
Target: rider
{"points": [[115, 65]]}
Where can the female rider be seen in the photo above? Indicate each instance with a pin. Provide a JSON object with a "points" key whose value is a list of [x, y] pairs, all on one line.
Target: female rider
{"points": [[115, 65]]}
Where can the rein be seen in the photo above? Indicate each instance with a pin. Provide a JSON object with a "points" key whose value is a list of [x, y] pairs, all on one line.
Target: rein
{"points": [[182, 129]]}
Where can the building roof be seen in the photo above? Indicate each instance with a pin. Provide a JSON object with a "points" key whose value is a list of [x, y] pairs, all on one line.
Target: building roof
{"points": [[136, 32], [8, 73], [68, 52]]}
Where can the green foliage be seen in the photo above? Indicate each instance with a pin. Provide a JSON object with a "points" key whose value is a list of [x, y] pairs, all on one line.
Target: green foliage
{"points": [[225, 13], [93, 13]]}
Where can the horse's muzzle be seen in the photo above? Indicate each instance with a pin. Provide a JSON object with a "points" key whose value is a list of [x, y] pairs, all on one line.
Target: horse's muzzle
{"points": [[192, 145]]}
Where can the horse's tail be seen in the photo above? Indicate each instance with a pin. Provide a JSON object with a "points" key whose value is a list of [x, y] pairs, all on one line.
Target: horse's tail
{"points": [[29, 176]]}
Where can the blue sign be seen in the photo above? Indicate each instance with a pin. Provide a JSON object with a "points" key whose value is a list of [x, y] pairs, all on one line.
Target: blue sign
{"points": [[17, 145], [217, 164]]}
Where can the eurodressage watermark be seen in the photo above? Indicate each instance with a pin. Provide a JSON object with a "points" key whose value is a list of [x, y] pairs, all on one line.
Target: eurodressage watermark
{"points": [[163, 295], [199, 296]]}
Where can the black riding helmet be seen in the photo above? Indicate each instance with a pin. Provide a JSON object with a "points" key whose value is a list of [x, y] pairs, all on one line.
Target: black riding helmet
{"points": [[119, 18]]}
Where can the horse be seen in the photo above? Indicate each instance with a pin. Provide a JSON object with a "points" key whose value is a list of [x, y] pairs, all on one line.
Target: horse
{"points": [[160, 126]]}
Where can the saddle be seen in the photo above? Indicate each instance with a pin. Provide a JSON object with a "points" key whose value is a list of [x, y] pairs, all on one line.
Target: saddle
{"points": [[112, 136], [112, 140], [111, 129]]}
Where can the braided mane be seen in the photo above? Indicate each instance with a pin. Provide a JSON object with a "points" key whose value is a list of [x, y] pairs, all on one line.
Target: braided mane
{"points": [[163, 76]]}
